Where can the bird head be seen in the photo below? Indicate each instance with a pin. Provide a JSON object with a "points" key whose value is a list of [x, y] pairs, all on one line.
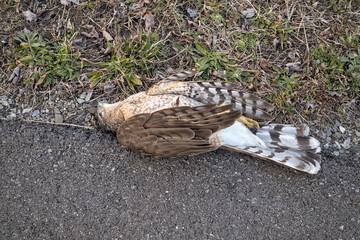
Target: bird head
{"points": [[110, 116]]}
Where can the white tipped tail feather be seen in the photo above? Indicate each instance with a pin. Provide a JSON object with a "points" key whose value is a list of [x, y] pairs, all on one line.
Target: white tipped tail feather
{"points": [[283, 144]]}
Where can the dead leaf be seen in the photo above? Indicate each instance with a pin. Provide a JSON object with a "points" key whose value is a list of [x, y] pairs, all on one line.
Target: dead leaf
{"points": [[332, 94], [192, 12], [30, 16], [15, 76], [67, 2], [69, 25], [107, 36], [45, 15], [191, 23], [26, 110], [249, 13], [109, 87], [41, 80], [107, 50], [219, 74], [309, 104], [350, 103], [88, 95], [149, 20], [138, 5], [292, 55], [296, 66], [80, 42], [170, 70], [116, 14], [83, 77], [92, 34]]}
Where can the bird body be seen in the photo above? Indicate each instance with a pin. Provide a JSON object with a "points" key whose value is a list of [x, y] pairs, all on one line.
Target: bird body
{"points": [[149, 103], [176, 118]]}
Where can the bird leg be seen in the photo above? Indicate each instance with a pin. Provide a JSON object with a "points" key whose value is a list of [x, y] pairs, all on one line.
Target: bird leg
{"points": [[245, 120], [248, 122]]}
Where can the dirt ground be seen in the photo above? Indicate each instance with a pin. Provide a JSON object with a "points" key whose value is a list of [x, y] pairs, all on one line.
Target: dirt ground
{"points": [[70, 183]]}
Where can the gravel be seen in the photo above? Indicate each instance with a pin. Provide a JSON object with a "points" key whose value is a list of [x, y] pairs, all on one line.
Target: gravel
{"points": [[59, 118], [50, 109], [35, 114]]}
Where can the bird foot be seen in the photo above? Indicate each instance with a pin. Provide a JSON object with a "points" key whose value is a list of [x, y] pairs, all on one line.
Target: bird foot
{"points": [[249, 122]]}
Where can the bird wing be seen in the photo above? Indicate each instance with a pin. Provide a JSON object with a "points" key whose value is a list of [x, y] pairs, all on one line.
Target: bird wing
{"points": [[175, 131], [210, 92]]}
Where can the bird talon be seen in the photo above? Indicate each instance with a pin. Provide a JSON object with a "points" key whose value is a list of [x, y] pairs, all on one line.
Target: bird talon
{"points": [[249, 122]]}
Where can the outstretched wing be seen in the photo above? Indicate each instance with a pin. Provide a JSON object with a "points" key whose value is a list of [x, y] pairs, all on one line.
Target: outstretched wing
{"points": [[175, 131], [210, 92]]}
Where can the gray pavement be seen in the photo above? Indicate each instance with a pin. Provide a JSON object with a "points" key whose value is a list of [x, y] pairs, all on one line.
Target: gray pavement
{"points": [[70, 183]]}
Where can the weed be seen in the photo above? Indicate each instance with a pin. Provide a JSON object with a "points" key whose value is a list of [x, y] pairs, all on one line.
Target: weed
{"points": [[287, 83], [246, 42], [54, 60], [132, 57], [339, 73], [337, 6], [352, 70], [350, 39], [209, 60], [217, 17], [274, 27], [215, 61]]}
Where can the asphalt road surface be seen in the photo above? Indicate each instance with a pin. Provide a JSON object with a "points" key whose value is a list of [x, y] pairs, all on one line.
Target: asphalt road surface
{"points": [[71, 183]]}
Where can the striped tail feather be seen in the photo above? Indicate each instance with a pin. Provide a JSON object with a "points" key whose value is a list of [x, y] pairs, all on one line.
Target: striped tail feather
{"points": [[288, 137], [210, 92], [302, 161], [300, 130], [284, 144]]}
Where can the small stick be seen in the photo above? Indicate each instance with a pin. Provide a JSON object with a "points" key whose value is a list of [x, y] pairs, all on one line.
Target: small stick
{"points": [[59, 124]]}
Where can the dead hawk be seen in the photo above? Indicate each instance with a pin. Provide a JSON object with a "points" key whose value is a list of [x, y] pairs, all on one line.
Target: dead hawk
{"points": [[177, 118]]}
